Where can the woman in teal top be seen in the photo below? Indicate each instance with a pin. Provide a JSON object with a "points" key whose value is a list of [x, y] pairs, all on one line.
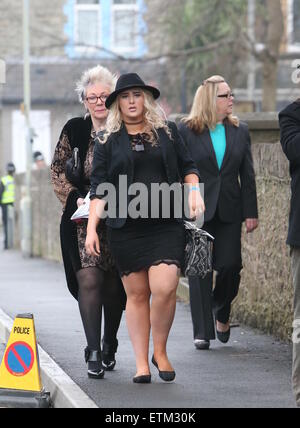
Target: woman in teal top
{"points": [[220, 146]]}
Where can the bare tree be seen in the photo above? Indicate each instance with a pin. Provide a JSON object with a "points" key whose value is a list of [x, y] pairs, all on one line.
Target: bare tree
{"points": [[196, 38], [271, 53], [212, 37]]}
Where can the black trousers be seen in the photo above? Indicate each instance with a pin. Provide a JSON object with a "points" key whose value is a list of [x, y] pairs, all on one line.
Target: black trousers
{"points": [[5, 223], [206, 302]]}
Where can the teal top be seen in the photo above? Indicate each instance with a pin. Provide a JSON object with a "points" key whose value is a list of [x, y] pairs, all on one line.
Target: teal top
{"points": [[218, 138]]}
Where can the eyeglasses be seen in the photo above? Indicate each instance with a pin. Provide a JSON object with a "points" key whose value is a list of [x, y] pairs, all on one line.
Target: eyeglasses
{"points": [[228, 96], [94, 99]]}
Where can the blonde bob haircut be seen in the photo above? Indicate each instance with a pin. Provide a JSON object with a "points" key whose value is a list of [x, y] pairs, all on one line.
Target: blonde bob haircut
{"points": [[204, 109], [154, 115], [92, 76]]}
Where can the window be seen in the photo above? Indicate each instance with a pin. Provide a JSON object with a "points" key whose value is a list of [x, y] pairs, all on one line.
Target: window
{"points": [[102, 28], [87, 24], [293, 25], [124, 25], [296, 22]]}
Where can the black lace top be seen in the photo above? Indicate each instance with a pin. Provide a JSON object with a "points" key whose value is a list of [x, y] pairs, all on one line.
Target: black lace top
{"points": [[148, 161], [149, 169]]}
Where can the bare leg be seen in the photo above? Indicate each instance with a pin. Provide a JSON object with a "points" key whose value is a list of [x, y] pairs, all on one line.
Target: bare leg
{"points": [[163, 280], [138, 317]]}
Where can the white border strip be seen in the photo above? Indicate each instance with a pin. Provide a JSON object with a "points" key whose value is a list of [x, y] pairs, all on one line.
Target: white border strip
{"points": [[64, 392]]}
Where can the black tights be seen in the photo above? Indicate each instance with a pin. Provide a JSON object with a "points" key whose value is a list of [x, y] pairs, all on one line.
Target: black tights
{"points": [[98, 289]]}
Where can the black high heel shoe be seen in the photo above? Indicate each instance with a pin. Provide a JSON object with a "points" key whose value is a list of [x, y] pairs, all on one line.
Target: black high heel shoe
{"points": [[164, 375], [94, 361], [108, 355]]}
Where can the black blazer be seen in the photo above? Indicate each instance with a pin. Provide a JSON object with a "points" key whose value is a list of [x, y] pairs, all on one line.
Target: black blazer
{"points": [[231, 190], [115, 158], [289, 121]]}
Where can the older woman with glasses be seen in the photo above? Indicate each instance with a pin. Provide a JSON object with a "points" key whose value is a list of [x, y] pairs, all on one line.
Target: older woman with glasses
{"points": [[220, 146], [92, 280]]}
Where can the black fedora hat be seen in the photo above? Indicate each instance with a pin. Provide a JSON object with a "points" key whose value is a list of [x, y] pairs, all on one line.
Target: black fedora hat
{"points": [[129, 81]]}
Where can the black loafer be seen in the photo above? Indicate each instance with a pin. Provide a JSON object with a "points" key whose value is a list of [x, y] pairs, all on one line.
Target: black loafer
{"points": [[164, 375], [223, 336], [142, 379], [201, 344]]}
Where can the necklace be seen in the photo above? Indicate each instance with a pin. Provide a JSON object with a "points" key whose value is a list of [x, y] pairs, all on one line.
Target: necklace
{"points": [[134, 123]]}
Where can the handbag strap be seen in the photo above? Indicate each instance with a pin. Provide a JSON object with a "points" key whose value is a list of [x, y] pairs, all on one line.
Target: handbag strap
{"points": [[75, 154], [192, 227]]}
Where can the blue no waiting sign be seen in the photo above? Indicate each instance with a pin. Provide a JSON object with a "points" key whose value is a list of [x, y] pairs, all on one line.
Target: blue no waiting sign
{"points": [[19, 359]]}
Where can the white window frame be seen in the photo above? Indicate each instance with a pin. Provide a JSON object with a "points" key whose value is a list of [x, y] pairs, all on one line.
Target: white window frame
{"points": [[87, 7], [291, 46], [134, 8]]}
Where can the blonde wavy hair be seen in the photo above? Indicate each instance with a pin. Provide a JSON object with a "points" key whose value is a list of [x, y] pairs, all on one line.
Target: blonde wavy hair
{"points": [[204, 109], [154, 115]]}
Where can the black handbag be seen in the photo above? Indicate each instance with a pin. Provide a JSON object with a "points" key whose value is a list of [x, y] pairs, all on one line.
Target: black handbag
{"points": [[73, 168], [198, 251]]}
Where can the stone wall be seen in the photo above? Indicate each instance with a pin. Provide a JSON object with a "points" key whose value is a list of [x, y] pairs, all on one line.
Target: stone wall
{"points": [[46, 213], [265, 297]]}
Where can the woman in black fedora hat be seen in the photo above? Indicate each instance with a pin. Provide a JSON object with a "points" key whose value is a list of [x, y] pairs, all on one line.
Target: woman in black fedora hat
{"points": [[145, 149]]}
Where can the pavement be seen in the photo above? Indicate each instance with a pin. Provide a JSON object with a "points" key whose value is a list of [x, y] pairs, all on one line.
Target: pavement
{"points": [[252, 371]]}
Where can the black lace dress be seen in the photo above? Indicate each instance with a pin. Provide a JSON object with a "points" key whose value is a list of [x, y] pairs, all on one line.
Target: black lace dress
{"points": [[145, 242]]}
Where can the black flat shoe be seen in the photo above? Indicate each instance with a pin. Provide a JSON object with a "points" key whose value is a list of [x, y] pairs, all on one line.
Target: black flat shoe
{"points": [[108, 355], [223, 336], [142, 379], [93, 359], [164, 375]]}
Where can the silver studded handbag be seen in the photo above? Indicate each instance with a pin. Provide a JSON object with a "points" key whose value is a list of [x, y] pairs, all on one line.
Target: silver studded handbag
{"points": [[198, 251]]}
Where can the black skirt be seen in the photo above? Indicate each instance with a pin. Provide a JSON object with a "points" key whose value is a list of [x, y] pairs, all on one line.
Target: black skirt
{"points": [[143, 243]]}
